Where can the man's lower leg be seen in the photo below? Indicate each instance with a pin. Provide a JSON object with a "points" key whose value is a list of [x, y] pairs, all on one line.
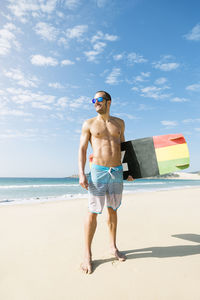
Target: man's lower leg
{"points": [[90, 227], [112, 225]]}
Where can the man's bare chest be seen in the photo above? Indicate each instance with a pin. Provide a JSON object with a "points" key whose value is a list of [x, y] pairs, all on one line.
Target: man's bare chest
{"points": [[105, 130]]}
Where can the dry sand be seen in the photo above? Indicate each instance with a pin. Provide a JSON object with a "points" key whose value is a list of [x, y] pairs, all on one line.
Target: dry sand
{"points": [[185, 175], [42, 248]]}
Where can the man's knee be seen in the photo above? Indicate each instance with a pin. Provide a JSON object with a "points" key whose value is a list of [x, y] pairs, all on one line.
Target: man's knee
{"points": [[112, 215], [91, 217], [111, 212]]}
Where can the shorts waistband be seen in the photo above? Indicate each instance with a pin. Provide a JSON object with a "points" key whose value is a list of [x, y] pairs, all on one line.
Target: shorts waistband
{"points": [[103, 168]]}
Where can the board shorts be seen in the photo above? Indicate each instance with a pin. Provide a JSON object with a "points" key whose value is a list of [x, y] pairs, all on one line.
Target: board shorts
{"points": [[105, 183]]}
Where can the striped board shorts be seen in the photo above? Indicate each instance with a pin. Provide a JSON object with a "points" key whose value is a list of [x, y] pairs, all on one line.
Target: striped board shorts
{"points": [[105, 183]]}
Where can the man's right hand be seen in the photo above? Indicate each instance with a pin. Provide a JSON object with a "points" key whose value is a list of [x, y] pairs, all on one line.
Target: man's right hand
{"points": [[83, 181]]}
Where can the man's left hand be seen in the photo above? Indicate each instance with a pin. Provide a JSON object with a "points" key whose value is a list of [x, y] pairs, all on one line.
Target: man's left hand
{"points": [[130, 178]]}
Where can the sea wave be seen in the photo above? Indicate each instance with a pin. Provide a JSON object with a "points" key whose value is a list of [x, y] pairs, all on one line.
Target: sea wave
{"points": [[36, 186], [143, 183], [68, 197], [43, 199]]}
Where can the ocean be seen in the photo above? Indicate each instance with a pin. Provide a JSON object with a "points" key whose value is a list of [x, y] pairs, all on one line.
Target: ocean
{"points": [[28, 190]]}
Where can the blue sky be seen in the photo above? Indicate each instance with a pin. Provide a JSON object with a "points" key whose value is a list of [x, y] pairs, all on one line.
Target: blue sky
{"points": [[55, 55]]}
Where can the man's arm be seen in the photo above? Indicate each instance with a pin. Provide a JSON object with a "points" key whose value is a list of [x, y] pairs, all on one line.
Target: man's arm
{"points": [[85, 137], [122, 139]]}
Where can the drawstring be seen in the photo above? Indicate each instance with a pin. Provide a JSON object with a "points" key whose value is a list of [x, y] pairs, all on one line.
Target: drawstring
{"points": [[110, 172]]}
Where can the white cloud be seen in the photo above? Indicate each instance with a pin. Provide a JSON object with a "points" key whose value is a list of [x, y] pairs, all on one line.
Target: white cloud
{"points": [[40, 60], [178, 99], [143, 107], [118, 56], [69, 103], [81, 101], [197, 129], [62, 102], [99, 46], [194, 34], [169, 123], [154, 92], [104, 37], [72, 4], [101, 3], [8, 39], [22, 8], [193, 87], [67, 62], [77, 131], [142, 77], [134, 58], [60, 14], [187, 121], [41, 106], [13, 112], [97, 49], [125, 115], [1, 94], [98, 42], [20, 78], [166, 66], [46, 31], [135, 88], [91, 55], [14, 134], [63, 41], [160, 80], [20, 96], [70, 119], [8, 17], [110, 37], [48, 6], [55, 85], [112, 78], [76, 32], [58, 115], [28, 133]]}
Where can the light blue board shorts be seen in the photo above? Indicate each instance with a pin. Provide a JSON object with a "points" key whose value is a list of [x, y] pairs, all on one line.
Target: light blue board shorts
{"points": [[105, 183]]}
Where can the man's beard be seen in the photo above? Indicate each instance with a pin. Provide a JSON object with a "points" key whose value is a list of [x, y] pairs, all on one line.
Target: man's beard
{"points": [[102, 110]]}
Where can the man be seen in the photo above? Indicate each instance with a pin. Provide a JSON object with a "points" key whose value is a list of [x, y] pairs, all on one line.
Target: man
{"points": [[105, 133]]}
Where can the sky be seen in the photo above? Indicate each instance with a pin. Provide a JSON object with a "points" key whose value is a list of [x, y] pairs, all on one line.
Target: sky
{"points": [[54, 56]]}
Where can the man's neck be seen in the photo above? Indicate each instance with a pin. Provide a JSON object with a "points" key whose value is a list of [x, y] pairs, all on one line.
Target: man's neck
{"points": [[104, 117]]}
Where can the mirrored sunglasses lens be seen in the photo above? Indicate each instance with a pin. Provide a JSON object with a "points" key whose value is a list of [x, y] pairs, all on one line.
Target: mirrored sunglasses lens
{"points": [[99, 99]]}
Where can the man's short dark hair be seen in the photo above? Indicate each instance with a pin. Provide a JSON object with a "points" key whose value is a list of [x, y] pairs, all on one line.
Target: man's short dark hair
{"points": [[107, 96]]}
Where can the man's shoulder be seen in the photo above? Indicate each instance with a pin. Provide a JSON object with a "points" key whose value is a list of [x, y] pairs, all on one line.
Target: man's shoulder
{"points": [[90, 121], [87, 123], [118, 120]]}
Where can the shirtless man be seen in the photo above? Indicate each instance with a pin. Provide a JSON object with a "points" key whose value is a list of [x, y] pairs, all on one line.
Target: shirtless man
{"points": [[105, 133]]}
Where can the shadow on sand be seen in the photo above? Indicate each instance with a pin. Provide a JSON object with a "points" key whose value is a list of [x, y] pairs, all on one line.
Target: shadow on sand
{"points": [[160, 252]]}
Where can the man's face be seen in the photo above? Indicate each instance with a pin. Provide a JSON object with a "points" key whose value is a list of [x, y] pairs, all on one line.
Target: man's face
{"points": [[101, 107]]}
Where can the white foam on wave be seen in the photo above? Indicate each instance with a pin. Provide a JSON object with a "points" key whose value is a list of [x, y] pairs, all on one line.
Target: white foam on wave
{"points": [[26, 186], [143, 183], [158, 189], [42, 199]]}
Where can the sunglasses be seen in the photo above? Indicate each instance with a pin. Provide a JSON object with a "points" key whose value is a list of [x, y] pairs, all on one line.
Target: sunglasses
{"points": [[99, 99]]}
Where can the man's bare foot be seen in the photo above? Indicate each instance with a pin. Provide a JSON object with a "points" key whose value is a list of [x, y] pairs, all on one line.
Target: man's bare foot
{"points": [[118, 255], [86, 266]]}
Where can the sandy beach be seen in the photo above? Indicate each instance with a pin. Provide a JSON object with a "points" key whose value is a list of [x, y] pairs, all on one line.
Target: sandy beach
{"points": [[42, 248], [184, 175]]}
